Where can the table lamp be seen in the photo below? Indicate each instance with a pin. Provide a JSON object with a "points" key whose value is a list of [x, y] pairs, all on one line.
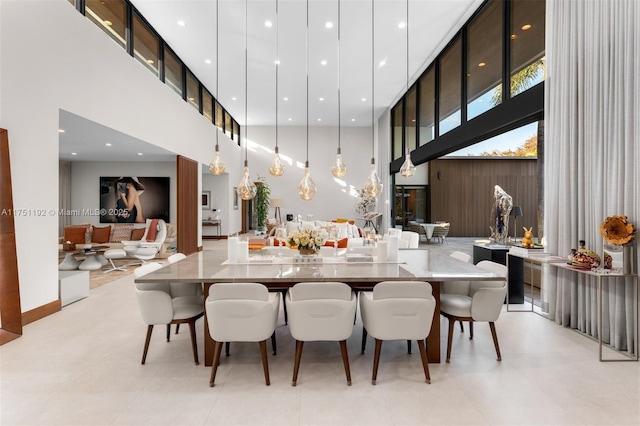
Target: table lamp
{"points": [[276, 203], [516, 212]]}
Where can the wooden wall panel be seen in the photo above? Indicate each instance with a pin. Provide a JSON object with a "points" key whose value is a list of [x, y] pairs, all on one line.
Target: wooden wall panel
{"points": [[462, 193], [10, 310], [188, 202]]}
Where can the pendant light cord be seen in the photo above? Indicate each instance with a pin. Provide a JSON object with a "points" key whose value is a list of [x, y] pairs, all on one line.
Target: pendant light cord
{"points": [[277, 68], [407, 27], [339, 115], [373, 95], [246, 82], [307, 69], [217, 68]]}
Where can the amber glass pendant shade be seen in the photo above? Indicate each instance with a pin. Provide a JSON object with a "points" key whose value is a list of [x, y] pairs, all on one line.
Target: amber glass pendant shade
{"points": [[246, 188], [307, 187]]}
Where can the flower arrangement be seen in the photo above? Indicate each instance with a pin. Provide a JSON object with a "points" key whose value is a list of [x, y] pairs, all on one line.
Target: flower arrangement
{"points": [[617, 230], [308, 239]]}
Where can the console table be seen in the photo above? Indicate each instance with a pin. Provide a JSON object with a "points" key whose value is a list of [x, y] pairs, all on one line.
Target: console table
{"points": [[212, 222], [604, 274]]}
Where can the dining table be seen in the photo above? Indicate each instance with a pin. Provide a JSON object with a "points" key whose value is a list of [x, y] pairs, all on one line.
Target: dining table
{"points": [[428, 229], [278, 273]]}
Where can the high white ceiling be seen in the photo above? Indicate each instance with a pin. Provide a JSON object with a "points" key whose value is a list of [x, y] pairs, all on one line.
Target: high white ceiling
{"points": [[431, 24]]}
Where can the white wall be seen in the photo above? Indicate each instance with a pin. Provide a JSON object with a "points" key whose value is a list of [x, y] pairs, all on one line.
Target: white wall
{"points": [[85, 183], [52, 58]]}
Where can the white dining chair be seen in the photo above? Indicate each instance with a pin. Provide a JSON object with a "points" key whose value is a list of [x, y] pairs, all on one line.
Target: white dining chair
{"points": [[482, 303], [241, 312], [398, 310], [321, 311], [184, 293]]}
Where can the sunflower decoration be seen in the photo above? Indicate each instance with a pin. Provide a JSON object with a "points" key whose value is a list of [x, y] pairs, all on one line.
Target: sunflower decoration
{"points": [[617, 230]]}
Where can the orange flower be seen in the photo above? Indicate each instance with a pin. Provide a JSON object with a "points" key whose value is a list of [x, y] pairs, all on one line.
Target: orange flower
{"points": [[617, 230]]}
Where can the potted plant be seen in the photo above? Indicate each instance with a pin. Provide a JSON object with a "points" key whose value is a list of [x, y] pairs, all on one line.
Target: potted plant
{"points": [[262, 205]]}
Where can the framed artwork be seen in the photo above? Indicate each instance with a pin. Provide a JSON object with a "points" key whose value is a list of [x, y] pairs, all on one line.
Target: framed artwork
{"points": [[133, 199], [206, 200], [235, 198]]}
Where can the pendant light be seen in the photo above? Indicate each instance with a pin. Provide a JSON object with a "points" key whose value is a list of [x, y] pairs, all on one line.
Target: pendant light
{"points": [[217, 166], [277, 167], [373, 184], [246, 188], [339, 169], [307, 188], [408, 169]]}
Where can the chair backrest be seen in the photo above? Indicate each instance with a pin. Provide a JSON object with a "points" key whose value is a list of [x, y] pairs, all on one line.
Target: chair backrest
{"points": [[489, 266], [145, 269], [176, 257], [241, 312], [321, 311], [161, 232], [154, 299], [413, 238], [442, 230], [461, 256], [398, 310]]}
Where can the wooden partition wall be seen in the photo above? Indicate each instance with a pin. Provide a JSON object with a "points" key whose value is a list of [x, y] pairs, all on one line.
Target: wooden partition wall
{"points": [[10, 311], [461, 193], [188, 200]]}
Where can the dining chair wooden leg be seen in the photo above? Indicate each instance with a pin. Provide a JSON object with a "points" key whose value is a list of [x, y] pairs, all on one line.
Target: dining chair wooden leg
{"points": [[273, 343], [495, 340], [265, 361], [425, 360], [168, 332], [296, 363], [364, 340], [194, 343], [146, 343], [376, 361], [345, 360], [217, 348], [177, 328], [226, 348], [409, 347], [470, 329], [452, 324], [461, 327]]}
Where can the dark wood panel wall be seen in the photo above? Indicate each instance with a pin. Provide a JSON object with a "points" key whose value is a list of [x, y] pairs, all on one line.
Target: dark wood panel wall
{"points": [[188, 200], [461, 193], [10, 311]]}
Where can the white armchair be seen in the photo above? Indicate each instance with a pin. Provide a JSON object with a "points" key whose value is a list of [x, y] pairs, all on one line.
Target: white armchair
{"points": [[482, 302], [321, 311], [412, 238], [157, 307], [150, 243], [398, 310], [241, 312]]}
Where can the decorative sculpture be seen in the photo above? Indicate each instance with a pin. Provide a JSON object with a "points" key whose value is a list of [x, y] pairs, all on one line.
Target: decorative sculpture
{"points": [[527, 240], [500, 215]]}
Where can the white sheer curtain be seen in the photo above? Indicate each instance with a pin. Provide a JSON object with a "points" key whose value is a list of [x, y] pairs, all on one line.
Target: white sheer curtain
{"points": [[592, 151]]}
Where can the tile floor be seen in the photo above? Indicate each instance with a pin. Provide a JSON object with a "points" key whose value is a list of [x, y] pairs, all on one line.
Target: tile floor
{"points": [[81, 366]]}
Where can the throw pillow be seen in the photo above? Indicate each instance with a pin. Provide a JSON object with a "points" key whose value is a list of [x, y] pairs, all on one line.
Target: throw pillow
{"points": [[121, 232], [137, 234], [100, 235], [75, 234], [342, 243]]}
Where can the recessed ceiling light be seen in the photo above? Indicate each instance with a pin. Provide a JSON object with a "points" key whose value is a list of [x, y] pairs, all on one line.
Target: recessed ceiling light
{"points": [[277, 62], [525, 27], [323, 62], [61, 130], [363, 99], [285, 99], [513, 36], [402, 24], [140, 153], [319, 119], [328, 24], [191, 99], [150, 61], [290, 119], [234, 98], [107, 144], [482, 64], [413, 120], [353, 119], [207, 61], [268, 24], [181, 23], [74, 153], [382, 63], [321, 99], [108, 23]]}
